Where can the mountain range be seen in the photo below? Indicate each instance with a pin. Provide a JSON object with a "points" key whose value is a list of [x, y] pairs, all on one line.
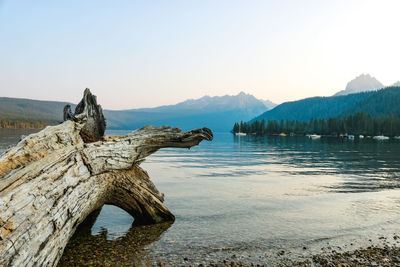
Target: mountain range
{"points": [[221, 112], [217, 113]]}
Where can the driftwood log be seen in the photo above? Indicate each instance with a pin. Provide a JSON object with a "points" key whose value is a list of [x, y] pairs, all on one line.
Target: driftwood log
{"points": [[52, 180]]}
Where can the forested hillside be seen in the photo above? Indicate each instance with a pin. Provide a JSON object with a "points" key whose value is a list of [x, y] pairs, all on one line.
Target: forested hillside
{"points": [[368, 113], [28, 113], [315, 107], [31, 110], [381, 103], [376, 103], [359, 123]]}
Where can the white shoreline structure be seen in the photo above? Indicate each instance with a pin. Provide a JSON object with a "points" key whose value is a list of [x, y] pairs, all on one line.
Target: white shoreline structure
{"points": [[314, 136], [380, 137], [240, 133]]}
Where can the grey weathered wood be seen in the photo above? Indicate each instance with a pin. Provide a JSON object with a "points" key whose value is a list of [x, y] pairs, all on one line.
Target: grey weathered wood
{"points": [[52, 180], [89, 113], [67, 113]]}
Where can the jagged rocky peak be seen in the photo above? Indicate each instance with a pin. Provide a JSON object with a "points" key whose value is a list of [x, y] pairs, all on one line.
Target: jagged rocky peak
{"points": [[268, 104], [250, 99], [362, 83], [241, 100], [396, 84]]}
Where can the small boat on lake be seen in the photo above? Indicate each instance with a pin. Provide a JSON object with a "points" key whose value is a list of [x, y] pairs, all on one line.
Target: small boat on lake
{"points": [[282, 134], [361, 136], [314, 136], [240, 132], [351, 137], [380, 137]]}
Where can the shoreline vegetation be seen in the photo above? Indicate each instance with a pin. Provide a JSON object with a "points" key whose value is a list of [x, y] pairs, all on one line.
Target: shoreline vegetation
{"points": [[24, 124], [357, 124]]}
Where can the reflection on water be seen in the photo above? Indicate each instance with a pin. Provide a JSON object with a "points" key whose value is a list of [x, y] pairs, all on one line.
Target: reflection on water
{"points": [[259, 195], [365, 166], [95, 249], [112, 221], [254, 196]]}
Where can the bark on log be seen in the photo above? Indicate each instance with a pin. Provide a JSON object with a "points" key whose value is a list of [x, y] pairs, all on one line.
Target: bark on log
{"points": [[52, 180]]}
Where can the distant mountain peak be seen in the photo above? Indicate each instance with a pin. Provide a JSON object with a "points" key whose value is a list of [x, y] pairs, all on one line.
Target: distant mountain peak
{"points": [[268, 104], [362, 83], [396, 84], [216, 112], [243, 96]]}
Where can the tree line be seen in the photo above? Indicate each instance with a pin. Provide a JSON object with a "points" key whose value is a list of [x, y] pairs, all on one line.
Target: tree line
{"points": [[359, 123], [18, 124]]}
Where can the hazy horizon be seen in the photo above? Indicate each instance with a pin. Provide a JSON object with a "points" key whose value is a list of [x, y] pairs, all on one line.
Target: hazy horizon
{"points": [[147, 54], [116, 109]]}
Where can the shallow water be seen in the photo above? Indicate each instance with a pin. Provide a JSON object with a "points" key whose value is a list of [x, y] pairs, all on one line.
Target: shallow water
{"points": [[253, 197], [9, 137]]}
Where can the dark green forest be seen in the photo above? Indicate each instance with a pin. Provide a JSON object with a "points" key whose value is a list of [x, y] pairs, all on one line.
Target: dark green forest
{"points": [[27, 110], [359, 123], [383, 102], [379, 103], [314, 107]]}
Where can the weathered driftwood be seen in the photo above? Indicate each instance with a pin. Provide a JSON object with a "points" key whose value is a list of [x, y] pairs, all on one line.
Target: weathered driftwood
{"points": [[52, 180], [90, 114]]}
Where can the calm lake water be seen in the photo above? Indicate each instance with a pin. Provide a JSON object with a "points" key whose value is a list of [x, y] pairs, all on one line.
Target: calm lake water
{"points": [[250, 198]]}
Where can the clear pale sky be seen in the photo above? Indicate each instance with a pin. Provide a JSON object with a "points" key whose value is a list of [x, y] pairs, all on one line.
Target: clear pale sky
{"points": [[148, 53]]}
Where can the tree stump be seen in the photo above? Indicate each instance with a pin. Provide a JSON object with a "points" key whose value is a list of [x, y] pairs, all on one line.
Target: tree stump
{"points": [[52, 180]]}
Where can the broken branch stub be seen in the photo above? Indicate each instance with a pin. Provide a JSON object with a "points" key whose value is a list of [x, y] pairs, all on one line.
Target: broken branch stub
{"points": [[90, 114], [52, 180]]}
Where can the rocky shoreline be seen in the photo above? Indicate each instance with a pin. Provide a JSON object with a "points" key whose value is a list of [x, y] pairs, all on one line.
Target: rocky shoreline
{"points": [[132, 249], [370, 256]]}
